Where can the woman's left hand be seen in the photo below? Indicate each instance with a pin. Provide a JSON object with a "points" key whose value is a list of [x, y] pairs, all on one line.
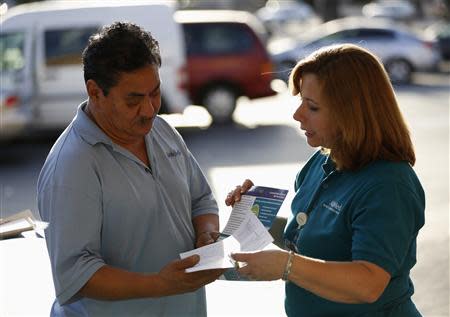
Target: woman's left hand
{"points": [[263, 265]]}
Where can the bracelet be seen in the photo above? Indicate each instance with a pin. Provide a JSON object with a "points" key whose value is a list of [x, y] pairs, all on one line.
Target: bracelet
{"points": [[287, 268]]}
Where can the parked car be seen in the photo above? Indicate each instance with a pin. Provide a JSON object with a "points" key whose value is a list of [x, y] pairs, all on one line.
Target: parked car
{"points": [[277, 15], [13, 119], [440, 32], [401, 51], [226, 58], [391, 9], [41, 45]]}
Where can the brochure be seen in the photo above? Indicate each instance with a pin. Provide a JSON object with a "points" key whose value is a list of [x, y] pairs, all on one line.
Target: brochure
{"points": [[17, 223], [246, 230]]}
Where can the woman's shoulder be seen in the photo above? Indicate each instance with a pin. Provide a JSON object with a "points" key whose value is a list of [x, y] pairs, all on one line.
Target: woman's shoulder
{"points": [[389, 173]]}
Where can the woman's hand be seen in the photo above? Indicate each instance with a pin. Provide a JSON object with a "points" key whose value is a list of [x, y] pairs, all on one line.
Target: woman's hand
{"points": [[263, 265], [235, 194]]}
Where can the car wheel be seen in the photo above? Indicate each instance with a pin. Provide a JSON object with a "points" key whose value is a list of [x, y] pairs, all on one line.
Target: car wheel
{"points": [[220, 101], [399, 70]]}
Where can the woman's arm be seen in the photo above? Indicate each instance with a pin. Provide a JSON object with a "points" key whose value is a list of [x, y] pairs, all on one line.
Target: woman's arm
{"points": [[345, 282]]}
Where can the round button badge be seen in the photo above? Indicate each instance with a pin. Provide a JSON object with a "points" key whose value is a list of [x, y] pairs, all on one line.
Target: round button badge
{"points": [[301, 219]]}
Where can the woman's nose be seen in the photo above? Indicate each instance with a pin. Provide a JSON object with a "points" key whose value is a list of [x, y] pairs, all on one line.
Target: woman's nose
{"points": [[298, 114]]}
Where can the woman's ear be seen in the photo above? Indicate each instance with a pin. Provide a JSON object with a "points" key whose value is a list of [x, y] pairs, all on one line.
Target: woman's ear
{"points": [[93, 90]]}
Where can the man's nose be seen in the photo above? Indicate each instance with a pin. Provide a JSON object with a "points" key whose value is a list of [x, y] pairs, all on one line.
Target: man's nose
{"points": [[148, 108]]}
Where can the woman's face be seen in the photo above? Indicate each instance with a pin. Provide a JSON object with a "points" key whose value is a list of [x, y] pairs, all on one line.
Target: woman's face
{"points": [[313, 114]]}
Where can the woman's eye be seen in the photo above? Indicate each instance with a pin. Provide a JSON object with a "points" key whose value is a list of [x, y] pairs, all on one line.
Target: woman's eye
{"points": [[313, 107]]}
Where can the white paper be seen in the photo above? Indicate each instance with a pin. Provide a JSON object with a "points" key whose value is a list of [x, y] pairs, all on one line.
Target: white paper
{"points": [[238, 214], [251, 235]]}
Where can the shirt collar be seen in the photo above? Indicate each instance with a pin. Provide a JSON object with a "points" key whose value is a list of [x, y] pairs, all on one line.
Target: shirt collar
{"points": [[328, 166], [88, 129]]}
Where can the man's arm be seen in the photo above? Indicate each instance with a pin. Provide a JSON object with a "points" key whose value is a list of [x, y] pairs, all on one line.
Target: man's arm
{"points": [[206, 229], [110, 283]]}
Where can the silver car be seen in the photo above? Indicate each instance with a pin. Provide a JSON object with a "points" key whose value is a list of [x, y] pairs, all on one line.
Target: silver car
{"points": [[401, 52]]}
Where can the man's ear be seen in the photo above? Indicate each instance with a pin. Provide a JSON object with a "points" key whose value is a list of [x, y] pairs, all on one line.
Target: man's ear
{"points": [[93, 90]]}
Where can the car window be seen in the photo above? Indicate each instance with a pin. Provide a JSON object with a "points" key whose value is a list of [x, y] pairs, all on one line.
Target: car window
{"points": [[64, 46], [218, 38], [12, 51], [374, 33], [337, 37]]}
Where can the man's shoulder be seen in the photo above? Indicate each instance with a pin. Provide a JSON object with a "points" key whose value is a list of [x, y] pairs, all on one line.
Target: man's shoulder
{"points": [[70, 147], [163, 131], [69, 157], [162, 126]]}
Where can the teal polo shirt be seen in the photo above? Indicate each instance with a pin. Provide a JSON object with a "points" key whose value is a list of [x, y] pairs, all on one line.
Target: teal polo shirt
{"points": [[105, 206], [373, 214]]}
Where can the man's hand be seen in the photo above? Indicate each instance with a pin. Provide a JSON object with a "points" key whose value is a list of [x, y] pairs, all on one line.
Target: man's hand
{"points": [[206, 237], [177, 281]]}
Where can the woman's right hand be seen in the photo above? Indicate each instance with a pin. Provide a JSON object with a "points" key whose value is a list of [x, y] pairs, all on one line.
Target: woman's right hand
{"points": [[235, 194]]}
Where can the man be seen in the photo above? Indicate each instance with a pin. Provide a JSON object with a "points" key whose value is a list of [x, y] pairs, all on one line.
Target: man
{"points": [[123, 194]]}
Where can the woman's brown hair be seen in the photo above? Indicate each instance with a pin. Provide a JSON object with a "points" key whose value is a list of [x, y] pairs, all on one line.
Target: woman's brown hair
{"points": [[362, 103]]}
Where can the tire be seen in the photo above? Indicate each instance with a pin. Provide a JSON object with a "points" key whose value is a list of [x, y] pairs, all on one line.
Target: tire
{"points": [[220, 101], [400, 71]]}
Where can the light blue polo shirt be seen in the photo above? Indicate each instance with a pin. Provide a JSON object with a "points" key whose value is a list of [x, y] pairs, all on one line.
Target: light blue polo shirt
{"points": [[373, 214], [105, 206]]}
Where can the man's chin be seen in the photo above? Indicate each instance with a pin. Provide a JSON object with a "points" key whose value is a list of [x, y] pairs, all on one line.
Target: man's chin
{"points": [[143, 130]]}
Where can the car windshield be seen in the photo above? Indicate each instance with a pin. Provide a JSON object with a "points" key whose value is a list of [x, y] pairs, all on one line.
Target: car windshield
{"points": [[12, 51]]}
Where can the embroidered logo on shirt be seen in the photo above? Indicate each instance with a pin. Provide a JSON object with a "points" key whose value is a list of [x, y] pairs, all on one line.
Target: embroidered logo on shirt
{"points": [[333, 206], [173, 153]]}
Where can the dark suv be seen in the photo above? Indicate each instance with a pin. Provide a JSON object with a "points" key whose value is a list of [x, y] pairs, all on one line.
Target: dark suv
{"points": [[226, 59]]}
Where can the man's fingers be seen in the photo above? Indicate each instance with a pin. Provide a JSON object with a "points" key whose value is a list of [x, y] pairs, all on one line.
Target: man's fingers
{"points": [[187, 262]]}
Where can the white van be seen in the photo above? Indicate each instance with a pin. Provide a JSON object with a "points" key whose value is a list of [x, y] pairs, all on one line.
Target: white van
{"points": [[41, 43]]}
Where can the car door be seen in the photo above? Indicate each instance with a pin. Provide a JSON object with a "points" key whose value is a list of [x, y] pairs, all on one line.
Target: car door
{"points": [[60, 83]]}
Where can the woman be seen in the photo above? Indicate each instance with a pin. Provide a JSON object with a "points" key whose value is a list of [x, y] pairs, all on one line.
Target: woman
{"points": [[358, 204]]}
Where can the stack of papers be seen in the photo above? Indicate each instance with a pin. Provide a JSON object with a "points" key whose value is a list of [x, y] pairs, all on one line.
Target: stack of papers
{"points": [[16, 224], [245, 231]]}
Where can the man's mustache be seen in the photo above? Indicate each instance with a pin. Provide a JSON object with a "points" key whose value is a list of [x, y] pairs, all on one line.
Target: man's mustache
{"points": [[146, 120]]}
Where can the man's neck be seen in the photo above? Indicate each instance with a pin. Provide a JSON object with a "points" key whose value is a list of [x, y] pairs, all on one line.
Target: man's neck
{"points": [[131, 144]]}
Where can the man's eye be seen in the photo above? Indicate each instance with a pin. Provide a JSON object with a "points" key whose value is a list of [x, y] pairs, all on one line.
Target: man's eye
{"points": [[133, 102], [156, 93]]}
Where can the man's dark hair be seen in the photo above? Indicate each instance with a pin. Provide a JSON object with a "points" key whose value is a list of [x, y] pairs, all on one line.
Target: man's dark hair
{"points": [[115, 49]]}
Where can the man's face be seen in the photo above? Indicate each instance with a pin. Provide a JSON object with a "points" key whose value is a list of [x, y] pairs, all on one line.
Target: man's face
{"points": [[130, 107]]}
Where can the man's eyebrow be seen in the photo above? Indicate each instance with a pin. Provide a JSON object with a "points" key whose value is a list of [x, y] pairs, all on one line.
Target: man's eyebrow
{"points": [[138, 94]]}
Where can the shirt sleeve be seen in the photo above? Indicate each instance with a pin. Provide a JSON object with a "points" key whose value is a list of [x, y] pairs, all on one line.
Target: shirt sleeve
{"points": [[202, 198], [73, 237], [385, 225]]}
